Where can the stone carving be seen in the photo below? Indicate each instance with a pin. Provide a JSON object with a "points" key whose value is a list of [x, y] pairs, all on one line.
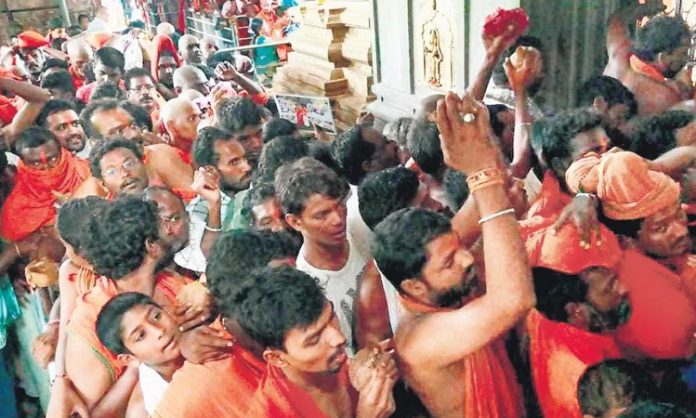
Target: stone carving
{"points": [[437, 44]]}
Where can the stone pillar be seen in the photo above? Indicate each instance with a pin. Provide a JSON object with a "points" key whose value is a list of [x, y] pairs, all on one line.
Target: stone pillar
{"points": [[424, 47]]}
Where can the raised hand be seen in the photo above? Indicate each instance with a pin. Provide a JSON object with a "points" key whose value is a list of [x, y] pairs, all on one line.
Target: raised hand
{"points": [[496, 45], [465, 134], [376, 398], [523, 67], [206, 184], [226, 71]]}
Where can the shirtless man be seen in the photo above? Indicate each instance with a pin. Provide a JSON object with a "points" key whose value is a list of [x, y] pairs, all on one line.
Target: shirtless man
{"points": [[180, 118], [650, 65], [420, 253]]}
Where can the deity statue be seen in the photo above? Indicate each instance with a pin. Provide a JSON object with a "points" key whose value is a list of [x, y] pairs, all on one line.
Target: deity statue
{"points": [[433, 57]]}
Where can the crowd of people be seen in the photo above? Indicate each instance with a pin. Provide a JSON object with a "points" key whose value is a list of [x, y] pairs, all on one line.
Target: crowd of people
{"points": [[171, 248]]}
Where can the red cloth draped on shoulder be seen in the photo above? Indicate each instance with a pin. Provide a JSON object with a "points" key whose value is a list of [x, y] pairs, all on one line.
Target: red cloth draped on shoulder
{"points": [[77, 78], [7, 111], [163, 43], [685, 267], [546, 208], [489, 383], [559, 354], [220, 389], [30, 205], [278, 397], [84, 319], [663, 318]]}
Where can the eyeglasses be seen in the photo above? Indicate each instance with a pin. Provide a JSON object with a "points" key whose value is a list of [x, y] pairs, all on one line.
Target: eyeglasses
{"points": [[126, 166]]}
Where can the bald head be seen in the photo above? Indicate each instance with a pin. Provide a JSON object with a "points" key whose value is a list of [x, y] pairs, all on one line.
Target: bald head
{"points": [[191, 95], [190, 77], [190, 50], [180, 118], [165, 29], [80, 54]]}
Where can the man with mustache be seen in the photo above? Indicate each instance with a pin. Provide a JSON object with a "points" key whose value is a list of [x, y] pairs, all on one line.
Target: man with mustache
{"points": [[313, 199], [60, 117], [29, 54], [221, 183], [643, 206], [141, 90], [448, 341]]}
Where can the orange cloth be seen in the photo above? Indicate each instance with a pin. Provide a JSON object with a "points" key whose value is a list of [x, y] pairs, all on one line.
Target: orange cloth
{"points": [[84, 318], [99, 39], [77, 79], [278, 397], [685, 267], [30, 205], [551, 200], [643, 68], [624, 183], [7, 111], [220, 389], [31, 40], [559, 354], [561, 251], [663, 318], [162, 43], [489, 384]]}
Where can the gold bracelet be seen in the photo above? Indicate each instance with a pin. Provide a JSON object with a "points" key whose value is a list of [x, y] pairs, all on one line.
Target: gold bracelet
{"points": [[484, 178]]}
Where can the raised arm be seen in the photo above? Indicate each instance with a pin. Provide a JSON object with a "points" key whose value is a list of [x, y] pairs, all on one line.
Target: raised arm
{"points": [[495, 47], [36, 97], [618, 38], [468, 147]]}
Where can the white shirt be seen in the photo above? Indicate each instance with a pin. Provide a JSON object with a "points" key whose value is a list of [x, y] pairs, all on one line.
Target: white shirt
{"points": [[340, 287], [357, 228], [153, 387]]}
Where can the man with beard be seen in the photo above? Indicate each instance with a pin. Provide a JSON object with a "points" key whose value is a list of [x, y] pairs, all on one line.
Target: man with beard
{"points": [[420, 253], [650, 66], [118, 166], [643, 206], [141, 90], [180, 118], [221, 183], [45, 171], [579, 300], [107, 119], [173, 221], [29, 55], [313, 198], [60, 117], [109, 64], [190, 50], [163, 65]]}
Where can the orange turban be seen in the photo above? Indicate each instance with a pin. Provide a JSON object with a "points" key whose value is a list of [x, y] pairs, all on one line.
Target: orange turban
{"points": [[561, 250], [624, 183], [31, 40], [162, 43]]}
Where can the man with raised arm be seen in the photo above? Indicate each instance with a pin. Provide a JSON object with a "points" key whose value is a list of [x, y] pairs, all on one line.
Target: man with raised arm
{"points": [[448, 341]]}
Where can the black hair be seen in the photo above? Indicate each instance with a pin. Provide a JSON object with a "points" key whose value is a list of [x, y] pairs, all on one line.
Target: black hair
{"points": [[110, 318], [297, 181], [554, 290], [553, 135], [497, 126], [236, 254], [59, 80], [207, 71], [57, 43], [456, 188], [73, 30], [659, 34], [74, 217], [142, 118], [397, 131], [256, 196], [609, 89], [236, 115], [92, 107], [281, 150], [656, 134], [53, 106], [499, 77], [321, 151], [654, 409], [135, 72], [55, 63], [626, 227], [351, 151], [106, 146], [82, 16], [220, 57], [138, 24], [424, 145], [116, 241], [110, 57], [385, 192], [275, 301], [106, 90], [609, 385], [204, 146], [400, 240], [278, 127], [33, 137]]}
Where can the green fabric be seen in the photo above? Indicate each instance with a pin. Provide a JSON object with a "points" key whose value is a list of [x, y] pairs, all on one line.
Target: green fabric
{"points": [[234, 216], [9, 308]]}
